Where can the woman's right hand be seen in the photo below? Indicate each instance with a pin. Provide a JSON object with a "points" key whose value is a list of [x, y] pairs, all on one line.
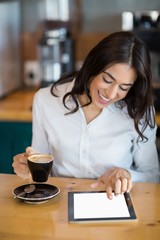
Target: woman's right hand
{"points": [[20, 163]]}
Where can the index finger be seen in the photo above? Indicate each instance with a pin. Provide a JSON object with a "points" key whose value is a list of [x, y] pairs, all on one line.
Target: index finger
{"points": [[19, 158], [129, 185], [29, 151], [109, 192]]}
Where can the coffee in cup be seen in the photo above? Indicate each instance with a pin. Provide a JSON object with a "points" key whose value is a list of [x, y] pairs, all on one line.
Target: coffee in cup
{"points": [[40, 166]]}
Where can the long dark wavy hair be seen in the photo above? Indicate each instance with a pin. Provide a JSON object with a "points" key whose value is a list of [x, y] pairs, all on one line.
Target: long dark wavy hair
{"points": [[118, 47]]}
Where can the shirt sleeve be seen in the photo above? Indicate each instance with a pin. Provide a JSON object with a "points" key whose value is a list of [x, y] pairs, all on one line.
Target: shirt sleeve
{"points": [[39, 136], [145, 157]]}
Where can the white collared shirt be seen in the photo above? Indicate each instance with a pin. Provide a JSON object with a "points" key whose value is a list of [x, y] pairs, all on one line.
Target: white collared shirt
{"points": [[84, 150]]}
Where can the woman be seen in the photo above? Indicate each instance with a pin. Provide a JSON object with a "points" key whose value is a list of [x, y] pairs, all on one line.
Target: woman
{"points": [[99, 122]]}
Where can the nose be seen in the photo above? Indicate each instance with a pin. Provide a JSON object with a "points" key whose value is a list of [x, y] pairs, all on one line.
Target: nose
{"points": [[112, 92]]}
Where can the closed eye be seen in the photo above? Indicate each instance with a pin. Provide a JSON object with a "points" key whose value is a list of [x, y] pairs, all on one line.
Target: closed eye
{"points": [[107, 81], [124, 89]]}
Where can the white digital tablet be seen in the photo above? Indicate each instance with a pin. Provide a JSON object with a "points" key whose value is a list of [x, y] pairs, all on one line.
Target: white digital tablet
{"points": [[95, 206]]}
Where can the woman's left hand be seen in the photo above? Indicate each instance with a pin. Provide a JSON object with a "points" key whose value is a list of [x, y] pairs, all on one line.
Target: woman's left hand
{"points": [[117, 180]]}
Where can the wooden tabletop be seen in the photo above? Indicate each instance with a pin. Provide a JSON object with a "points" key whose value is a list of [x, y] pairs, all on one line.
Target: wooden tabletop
{"points": [[22, 221]]}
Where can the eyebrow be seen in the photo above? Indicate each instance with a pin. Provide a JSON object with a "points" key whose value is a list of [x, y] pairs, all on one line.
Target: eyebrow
{"points": [[110, 75]]}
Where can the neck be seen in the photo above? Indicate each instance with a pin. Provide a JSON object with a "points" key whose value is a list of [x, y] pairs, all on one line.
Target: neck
{"points": [[90, 111]]}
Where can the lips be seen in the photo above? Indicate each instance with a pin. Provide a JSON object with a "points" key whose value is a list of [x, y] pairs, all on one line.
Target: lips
{"points": [[103, 99]]}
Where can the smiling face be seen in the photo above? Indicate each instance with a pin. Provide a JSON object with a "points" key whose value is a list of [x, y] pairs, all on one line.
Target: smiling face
{"points": [[112, 85]]}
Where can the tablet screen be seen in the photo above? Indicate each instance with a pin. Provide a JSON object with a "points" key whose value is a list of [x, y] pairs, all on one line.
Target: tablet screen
{"points": [[95, 206]]}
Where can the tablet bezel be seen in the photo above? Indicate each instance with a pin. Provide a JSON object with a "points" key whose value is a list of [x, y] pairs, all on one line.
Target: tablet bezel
{"points": [[128, 201]]}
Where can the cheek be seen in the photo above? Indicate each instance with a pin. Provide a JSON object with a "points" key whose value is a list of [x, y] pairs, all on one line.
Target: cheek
{"points": [[122, 95], [95, 85]]}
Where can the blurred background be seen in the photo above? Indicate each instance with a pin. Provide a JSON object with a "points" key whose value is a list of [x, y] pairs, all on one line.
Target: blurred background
{"points": [[45, 38], [42, 39]]}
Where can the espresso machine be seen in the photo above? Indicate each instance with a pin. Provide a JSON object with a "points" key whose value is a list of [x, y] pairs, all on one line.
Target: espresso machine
{"points": [[56, 54]]}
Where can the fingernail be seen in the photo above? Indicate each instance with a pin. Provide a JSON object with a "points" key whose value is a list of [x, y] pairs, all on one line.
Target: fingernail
{"points": [[110, 197], [94, 185], [30, 152]]}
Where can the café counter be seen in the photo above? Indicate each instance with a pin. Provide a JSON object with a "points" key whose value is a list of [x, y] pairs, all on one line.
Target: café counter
{"points": [[15, 125], [17, 106], [49, 220]]}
